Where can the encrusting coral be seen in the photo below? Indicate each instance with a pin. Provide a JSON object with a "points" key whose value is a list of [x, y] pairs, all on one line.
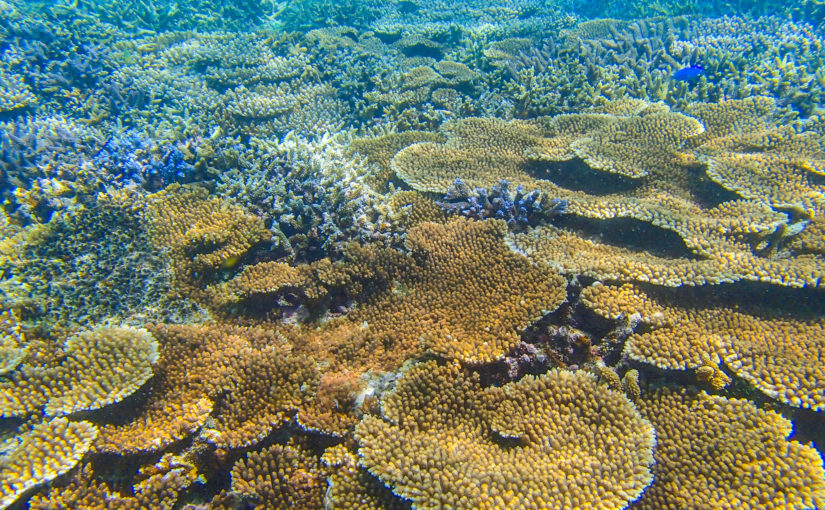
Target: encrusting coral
{"points": [[715, 452], [443, 440], [777, 354]]}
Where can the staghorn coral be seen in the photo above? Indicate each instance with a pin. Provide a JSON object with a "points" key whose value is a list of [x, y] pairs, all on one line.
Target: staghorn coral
{"points": [[715, 452], [443, 440], [41, 454], [286, 476], [14, 92], [777, 354], [99, 367], [517, 208], [312, 194]]}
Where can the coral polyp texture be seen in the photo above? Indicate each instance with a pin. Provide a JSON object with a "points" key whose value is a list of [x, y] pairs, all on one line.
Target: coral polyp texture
{"points": [[778, 355], [40, 455], [444, 440], [281, 477], [99, 367], [412, 254], [715, 452]]}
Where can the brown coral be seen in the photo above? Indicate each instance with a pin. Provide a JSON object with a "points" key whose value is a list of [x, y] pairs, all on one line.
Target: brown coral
{"points": [[202, 233], [779, 355], [277, 477], [252, 369], [42, 454], [468, 297], [714, 452], [444, 441], [100, 367], [479, 151]]}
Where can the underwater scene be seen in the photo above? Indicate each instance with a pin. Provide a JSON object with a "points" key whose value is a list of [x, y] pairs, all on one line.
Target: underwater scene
{"points": [[412, 254]]}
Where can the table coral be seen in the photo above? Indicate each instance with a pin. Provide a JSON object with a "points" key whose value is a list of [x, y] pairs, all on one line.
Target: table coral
{"points": [[238, 364], [98, 367], [715, 452], [443, 440], [570, 253], [202, 233], [102, 367], [41, 454], [632, 146], [276, 477], [469, 296], [778, 354]]}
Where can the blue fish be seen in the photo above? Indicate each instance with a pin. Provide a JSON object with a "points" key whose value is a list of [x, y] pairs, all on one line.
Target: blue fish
{"points": [[691, 73]]}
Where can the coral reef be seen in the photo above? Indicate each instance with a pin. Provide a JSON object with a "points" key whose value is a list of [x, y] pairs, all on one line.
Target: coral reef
{"points": [[717, 452], [443, 440], [360, 254], [777, 354]]}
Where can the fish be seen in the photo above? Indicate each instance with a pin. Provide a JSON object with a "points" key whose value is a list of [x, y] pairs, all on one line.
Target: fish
{"points": [[691, 73]]}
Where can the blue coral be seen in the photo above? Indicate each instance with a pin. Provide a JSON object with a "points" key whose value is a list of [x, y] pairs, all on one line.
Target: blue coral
{"points": [[130, 158], [519, 209]]}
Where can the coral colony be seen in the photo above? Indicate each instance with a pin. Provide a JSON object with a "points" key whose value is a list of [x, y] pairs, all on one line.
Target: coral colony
{"points": [[486, 254]]}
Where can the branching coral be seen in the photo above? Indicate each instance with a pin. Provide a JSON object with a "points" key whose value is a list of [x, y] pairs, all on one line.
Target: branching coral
{"points": [[314, 196], [443, 440]]}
